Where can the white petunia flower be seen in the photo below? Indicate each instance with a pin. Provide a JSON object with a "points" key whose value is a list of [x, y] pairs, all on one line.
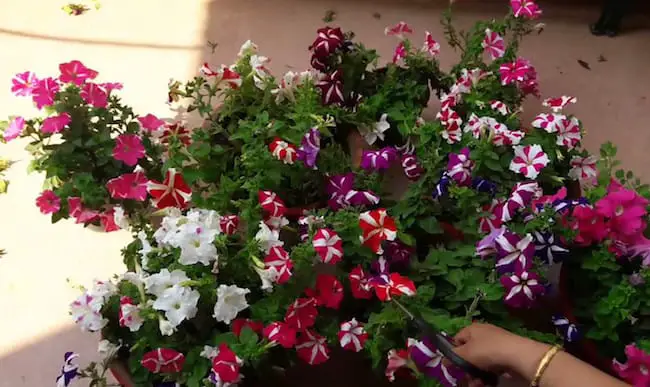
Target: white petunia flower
{"points": [[130, 316], [269, 277], [145, 250], [268, 238], [247, 48], [157, 283], [102, 290], [106, 349], [378, 130], [178, 303], [166, 328], [86, 312], [276, 222], [231, 300], [120, 218], [209, 352]]}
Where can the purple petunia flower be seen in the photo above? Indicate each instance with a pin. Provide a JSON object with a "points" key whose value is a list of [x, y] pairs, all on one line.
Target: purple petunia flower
{"points": [[568, 331], [486, 247], [442, 188], [378, 160], [69, 370], [339, 187], [548, 249], [636, 279], [380, 266], [398, 253], [429, 361], [459, 167], [513, 252], [483, 185], [309, 148], [338, 184], [522, 288]]}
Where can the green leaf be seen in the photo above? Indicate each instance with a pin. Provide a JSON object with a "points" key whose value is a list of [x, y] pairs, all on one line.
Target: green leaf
{"points": [[430, 225]]}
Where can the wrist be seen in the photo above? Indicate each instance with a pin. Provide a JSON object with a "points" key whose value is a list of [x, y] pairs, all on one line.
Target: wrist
{"points": [[527, 357]]}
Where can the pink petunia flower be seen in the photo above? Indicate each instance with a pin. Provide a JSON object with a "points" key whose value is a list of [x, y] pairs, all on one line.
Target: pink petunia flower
{"points": [[328, 246], [75, 72], [398, 30], [559, 103], [584, 169], [48, 202], [23, 84], [94, 95], [590, 225], [110, 86], [492, 220], [522, 289], [312, 348], [79, 212], [529, 160], [568, 133], [56, 124], [107, 220], [526, 9], [400, 52], [636, 370], [129, 186], [493, 44], [512, 72], [44, 92], [451, 123], [172, 192], [625, 210], [503, 136], [430, 46], [352, 336], [14, 129], [128, 149], [377, 226], [151, 122]]}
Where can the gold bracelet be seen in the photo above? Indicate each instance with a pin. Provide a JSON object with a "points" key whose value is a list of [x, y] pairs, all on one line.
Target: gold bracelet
{"points": [[543, 364]]}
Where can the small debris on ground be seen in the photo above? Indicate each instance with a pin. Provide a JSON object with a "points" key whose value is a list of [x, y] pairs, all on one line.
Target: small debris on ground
{"points": [[330, 15], [601, 58], [213, 46], [376, 15], [584, 64]]}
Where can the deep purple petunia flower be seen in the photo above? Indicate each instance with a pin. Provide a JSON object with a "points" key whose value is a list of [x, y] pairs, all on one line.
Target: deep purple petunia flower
{"points": [[483, 185], [69, 370], [430, 362], [398, 253], [522, 288], [442, 188], [514, 252], [548, 248], [568, 331], [309, 148]]}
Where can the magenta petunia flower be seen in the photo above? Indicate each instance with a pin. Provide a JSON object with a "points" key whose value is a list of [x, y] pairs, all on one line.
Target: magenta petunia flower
{"points": [[500, 107], [48, 202], [429, 361], [331, 88], [625, 210], [107, 220], [493, 44], [23, 84], [75, 72], [492, 220], [636, 370], [378, 160], [55, 124], [526, 9], [529, 160], [94, 95], [79, 212], [397, 359], [522, 289], [514, 252], [459, 167], [590, 225], [521, 196], [512, 72], [398, 30], [568, 133], [44, 92], [430, 46], [128, 149], [558, 103], [129, 186], [14, 129], [411, 167], [400, 53], [110, 86], [151, 122], [309, 148], [339, 189]]}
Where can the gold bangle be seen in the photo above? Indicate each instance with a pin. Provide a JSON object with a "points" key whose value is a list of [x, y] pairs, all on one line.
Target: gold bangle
{"points": [[543, 364]]}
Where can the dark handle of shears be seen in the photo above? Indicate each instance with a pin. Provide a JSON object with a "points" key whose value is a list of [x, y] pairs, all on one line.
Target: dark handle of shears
{"points": [[447, 349]]}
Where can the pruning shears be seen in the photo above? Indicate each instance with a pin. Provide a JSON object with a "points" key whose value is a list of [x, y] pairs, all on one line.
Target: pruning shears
{"points": [[447, 348]]}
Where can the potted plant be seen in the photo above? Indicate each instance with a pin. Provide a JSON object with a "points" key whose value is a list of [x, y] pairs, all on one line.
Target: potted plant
{"points": [[277, 247]]}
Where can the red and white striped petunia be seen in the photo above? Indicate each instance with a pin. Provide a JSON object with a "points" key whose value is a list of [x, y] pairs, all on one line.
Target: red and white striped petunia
{"points": [[163, 360], [328, 246], [279, 259], [281, 333], [301, 314], [559, 103], [493, 44], [393, 285], [226, 365], [229, 224], [584, 169], [549, 122], [312, 348], [430, 46], [271, 203], [352, 336], [400, 52], [376, 227], [529, 160], [172, 192], [499, 107], [359, 283], [451, 123], [503, 136], [398, 30], [225, 74], [283, 151], [568, 133], [178, 131]]}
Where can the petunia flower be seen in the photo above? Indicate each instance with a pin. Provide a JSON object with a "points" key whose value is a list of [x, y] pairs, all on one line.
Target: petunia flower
{"points": [[359, 283], [55, 124], [548, 248], [636, 279], [636, 369], [86, 312], [568, 133], [283, 151], [378, 160], [229, 224], [398, 30], [248, 48], [449, 101], [442, 187], [327, 41], [376, 227], [279, 259], [177, 131], [151, 122], [94, 95], [412, 169], [397, 359], [522, 289], [583, 169], [128, 149], [503, 136], [107, 220], [331, 87], [327, 291], [226, 365], [493, 44], [224, 75], [430, 46], [352, 336], [526, 9], [172, 192], [231, 299], [280, 333], [48, 202], [328, 246], [301, 314], [79, 212], [429, 360], [625, 210], [565, 328], [499, 107], [44, 92], [549, 122], [14, 129], [110, 86], [23, 84], [69, 370], [309, 148], [590, 225], [529, 160], [129, 314], [377, 132], [459, 167], [271, 203], [268, 238], [163, 360], [240, 323], [484, 185], [398, 253], [399, 53], [481, 126], [486, 247], [387, 286], [318, 63], [451, 123], [514, 253], [492, 220], [512, 72], [312, 347], [129, 186], [559, 103], [75, 72]]}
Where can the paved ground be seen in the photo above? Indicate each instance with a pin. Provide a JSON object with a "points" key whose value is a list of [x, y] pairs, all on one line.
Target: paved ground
{"points": [[144, 43]]}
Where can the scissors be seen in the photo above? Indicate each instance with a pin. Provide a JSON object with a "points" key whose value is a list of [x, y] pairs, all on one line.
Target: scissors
{"points": [[447, 348]]}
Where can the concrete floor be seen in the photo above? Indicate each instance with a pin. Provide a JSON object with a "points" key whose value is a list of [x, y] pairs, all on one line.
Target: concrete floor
{"points": [[144, 43]]}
